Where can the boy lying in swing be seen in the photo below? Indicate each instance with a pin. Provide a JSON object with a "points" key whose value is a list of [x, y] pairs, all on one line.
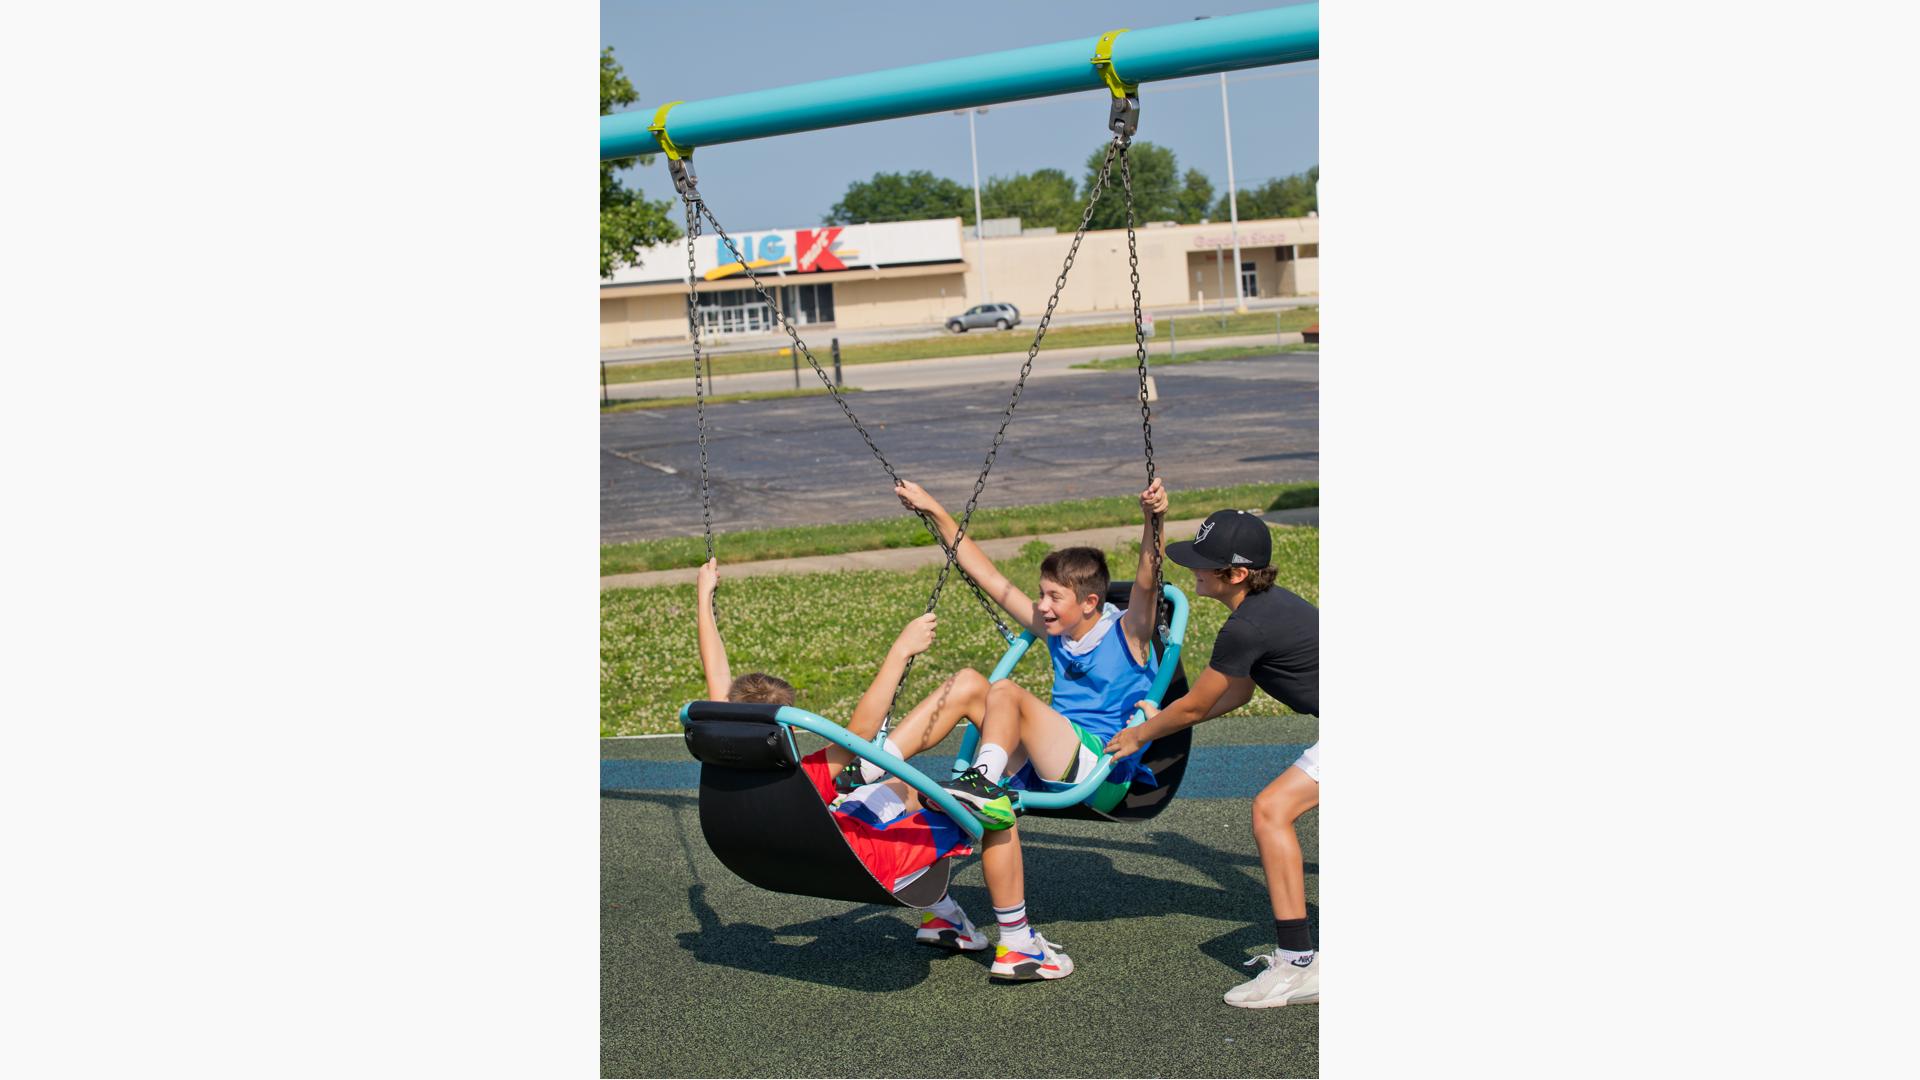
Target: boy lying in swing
{"points": [[882, 819], [1103, 663]]}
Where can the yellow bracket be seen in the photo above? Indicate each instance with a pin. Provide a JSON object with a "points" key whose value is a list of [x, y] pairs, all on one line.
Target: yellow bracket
{"points": [[1103, 59], [659, 129]]}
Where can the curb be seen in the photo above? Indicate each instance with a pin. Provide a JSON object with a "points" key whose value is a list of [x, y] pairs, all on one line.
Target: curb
{"points": [[928, 555]]}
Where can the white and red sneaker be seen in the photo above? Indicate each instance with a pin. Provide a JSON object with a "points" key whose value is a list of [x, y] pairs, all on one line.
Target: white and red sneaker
{"points": [[1042, 960], [942, 934]]}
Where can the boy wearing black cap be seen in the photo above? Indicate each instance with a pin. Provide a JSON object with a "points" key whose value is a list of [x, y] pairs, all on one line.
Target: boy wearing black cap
{"points": [[1271, 640]]}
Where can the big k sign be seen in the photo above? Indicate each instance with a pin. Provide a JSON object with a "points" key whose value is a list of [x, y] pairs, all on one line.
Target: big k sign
{"points": [[821, 249], [802, 251]]}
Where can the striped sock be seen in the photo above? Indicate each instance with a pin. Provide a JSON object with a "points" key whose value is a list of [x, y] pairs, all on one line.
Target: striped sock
{"points": [[1015, 933], [949, 909]]}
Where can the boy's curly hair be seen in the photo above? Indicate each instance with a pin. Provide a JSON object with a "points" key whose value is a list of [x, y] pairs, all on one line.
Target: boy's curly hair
{"points": [[762, 689]]}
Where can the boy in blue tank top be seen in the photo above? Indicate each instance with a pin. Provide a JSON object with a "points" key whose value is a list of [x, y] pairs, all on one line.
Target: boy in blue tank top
{"points": [[1103, 662]]}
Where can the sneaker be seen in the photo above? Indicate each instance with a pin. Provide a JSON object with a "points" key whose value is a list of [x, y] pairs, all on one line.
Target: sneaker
{"points": [[987, 799], [850, 778], [1046, 961], [942, 934], [1282, 983]]}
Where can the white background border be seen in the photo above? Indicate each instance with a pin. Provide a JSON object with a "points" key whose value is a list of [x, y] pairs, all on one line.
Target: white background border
{"points": [[1619, 559]]}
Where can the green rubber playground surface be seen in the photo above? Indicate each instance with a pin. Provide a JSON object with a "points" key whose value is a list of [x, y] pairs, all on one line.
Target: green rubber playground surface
{"points": [[703, 975]]}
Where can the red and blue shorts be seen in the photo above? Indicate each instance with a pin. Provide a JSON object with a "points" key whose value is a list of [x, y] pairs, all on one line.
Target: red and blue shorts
{"points": [[894, 849]]}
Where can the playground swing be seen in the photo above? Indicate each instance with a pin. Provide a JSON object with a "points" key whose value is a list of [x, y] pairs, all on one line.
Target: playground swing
{"points": [[759, 812]]}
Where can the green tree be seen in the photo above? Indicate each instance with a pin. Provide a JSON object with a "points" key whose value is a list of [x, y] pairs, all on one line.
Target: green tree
{"points": [[1285, 197], [1040, 198], [1196, 196], [628, 220], [1156, 187], [913, 196]]}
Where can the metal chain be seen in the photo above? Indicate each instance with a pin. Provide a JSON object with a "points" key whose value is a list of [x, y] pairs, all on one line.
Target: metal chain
{"points": [[695, 203], [1026, 368], [800, 348], [1140, 351], [700, 394], [699, 382], [926, 521]]}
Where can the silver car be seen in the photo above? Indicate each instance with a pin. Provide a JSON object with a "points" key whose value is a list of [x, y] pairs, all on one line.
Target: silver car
{"points": [[998, 316]]}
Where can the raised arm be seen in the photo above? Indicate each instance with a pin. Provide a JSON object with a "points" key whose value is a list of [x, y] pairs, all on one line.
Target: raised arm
{"points": [[1142, 605], [713, 651], [872, 709], [972, 559], [1211, 695]]}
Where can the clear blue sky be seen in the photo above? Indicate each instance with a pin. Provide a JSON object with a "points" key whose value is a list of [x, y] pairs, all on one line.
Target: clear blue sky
{"points": [[689, 51]]}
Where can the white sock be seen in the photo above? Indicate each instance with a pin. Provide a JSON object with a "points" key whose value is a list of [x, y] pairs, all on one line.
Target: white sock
{"points": [[1287, 956], [949, 909], [1015, 931], [873, 774], [992, 761]]}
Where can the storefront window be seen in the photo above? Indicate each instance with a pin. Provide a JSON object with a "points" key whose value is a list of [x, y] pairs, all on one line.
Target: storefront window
{"points": [[734, 311], [804, 305]]}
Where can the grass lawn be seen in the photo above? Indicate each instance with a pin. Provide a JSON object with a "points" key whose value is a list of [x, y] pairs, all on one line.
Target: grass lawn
{"points": [[972, 343], [1225, 352], [826, 633], [636, 404], [905, 530]]}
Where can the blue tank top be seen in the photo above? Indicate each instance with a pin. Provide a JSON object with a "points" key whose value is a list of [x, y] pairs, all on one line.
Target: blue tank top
{"points": [[1096, 690]]}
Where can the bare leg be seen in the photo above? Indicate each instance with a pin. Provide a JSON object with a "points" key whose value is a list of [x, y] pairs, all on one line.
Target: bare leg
{"points": [[963, 694], [1016, 718], [1275, 810], [1006, 875]]}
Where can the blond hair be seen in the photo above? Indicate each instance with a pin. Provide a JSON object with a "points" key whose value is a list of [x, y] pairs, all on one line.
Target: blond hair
{"points": [[760, 688]]}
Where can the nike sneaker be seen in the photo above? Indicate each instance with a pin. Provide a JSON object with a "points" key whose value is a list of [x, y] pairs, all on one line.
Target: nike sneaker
{"points": [[1043, 960], [942, 934], [988, 800], [1284, 982]]}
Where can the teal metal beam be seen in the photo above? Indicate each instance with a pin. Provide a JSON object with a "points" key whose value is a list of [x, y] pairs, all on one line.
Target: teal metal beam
{"points": [[1228, 43]]}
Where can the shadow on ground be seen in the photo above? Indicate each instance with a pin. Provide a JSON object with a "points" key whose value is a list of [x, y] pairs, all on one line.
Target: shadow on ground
{"points": [[705, 975]]}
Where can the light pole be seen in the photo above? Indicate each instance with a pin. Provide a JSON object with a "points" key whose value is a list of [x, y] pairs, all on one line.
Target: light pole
{"points": [[979, 222], [1233, 203]]}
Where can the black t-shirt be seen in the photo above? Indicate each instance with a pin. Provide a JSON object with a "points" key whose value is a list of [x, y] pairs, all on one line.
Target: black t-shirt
{"points": [[1274, 636]]}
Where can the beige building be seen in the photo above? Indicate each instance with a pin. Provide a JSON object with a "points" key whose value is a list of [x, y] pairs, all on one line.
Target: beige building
{"points": [[920, 273]]}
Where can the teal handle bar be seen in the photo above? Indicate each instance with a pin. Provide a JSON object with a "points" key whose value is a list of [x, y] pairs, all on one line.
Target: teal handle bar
{"points": [[1083, 790], [800, 718], [1229, 43]]}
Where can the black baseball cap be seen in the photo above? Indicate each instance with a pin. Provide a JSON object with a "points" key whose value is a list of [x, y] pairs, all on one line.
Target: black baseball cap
{"points": [[1226, 538]]}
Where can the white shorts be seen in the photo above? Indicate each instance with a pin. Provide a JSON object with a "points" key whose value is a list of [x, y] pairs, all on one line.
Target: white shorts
{"points": [[880, 800], [1309, 762]]}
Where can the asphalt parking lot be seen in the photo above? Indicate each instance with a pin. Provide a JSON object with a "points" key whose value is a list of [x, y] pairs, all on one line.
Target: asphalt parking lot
{"points": [[798, 461]]}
